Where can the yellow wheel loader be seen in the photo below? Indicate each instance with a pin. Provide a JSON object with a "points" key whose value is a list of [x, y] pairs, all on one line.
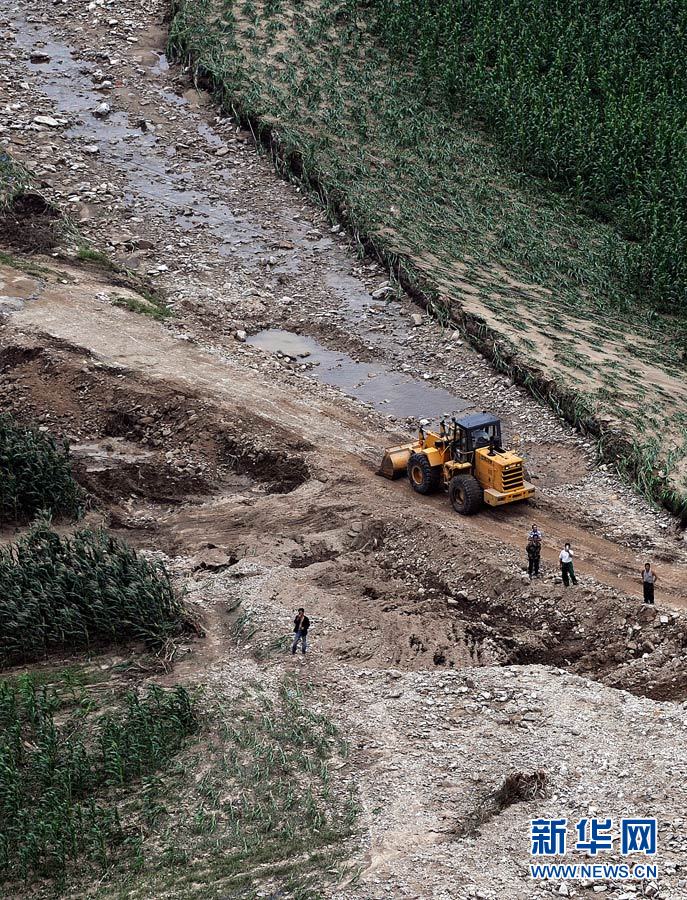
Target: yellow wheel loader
{"points": [[467, 458]]}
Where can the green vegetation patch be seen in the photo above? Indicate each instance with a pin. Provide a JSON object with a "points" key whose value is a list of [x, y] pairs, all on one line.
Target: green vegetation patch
{"points": [[97, 257], [61, 763], [35, 474], [69, 593], [263, 805], [144, 298], [28, 221], [591, 95], [152, 307], [14, 179], [523, 268], [26, 265]]}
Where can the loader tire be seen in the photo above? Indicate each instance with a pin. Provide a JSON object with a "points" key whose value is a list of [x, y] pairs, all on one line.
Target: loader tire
{"points": [[466, 494], [423, 478]]}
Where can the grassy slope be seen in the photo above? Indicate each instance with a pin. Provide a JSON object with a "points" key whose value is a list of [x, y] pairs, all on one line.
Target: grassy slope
{"points": [[530, 278], [248, 800]]}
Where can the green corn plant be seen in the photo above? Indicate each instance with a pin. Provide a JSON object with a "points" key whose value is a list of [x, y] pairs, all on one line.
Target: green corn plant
{"points": [[55, 807], [80, 591], [35, 474]]}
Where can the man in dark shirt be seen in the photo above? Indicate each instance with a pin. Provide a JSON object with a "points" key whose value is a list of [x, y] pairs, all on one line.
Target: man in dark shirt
{"points": [[533, 556], [649, 579], [300, 630]]}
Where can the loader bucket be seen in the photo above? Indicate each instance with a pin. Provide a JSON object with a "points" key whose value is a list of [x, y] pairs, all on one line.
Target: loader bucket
{"points": [[395, 461]]}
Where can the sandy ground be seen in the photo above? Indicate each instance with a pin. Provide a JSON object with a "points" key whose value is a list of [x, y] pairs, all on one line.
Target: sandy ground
{"points": [[445, 666]]}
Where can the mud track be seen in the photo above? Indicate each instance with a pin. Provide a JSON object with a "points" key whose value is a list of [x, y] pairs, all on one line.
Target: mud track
{"points": [[246, 465]]}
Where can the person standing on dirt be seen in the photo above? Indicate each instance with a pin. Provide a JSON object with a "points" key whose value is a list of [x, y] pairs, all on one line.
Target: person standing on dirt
{"points": [[533, 557], [567, 570], [300, 631], [648, 581], [536, 535]]}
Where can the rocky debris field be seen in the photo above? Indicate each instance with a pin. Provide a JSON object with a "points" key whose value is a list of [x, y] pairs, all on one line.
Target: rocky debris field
{"points": [[250, 470], [434, 749]]}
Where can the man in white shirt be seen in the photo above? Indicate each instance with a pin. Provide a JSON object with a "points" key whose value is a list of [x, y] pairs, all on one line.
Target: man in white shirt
{"points": [[567, 571]]}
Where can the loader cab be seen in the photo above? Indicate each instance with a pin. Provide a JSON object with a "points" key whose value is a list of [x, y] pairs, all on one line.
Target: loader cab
{"points": [[475, 432]]}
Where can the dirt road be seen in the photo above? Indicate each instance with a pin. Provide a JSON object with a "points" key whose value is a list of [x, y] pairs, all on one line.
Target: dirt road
{"points": [[196, 440], [237, 249]]}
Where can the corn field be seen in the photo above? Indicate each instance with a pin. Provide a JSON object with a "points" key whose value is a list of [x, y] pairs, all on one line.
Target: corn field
{"points": [[57, 780], [269, 791], [591, 95], [35, 474], [66, 593]]}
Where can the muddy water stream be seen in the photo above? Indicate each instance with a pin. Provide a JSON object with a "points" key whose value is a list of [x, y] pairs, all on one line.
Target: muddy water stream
{"points": [[372, 383], [160, 180], [152, 170], [156, 173]]}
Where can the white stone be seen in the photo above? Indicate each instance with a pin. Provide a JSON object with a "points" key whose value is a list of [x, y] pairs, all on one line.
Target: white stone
{"points": [[48, 121]]}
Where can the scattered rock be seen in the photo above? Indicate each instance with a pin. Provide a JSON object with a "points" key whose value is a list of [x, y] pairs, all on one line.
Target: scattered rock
{"points": [[102, 110], [48, 121], [646, 613], [213, 558]]}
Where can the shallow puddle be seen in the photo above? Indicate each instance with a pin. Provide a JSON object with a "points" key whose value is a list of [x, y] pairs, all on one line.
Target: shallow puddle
{"points": [[391, 392]]}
